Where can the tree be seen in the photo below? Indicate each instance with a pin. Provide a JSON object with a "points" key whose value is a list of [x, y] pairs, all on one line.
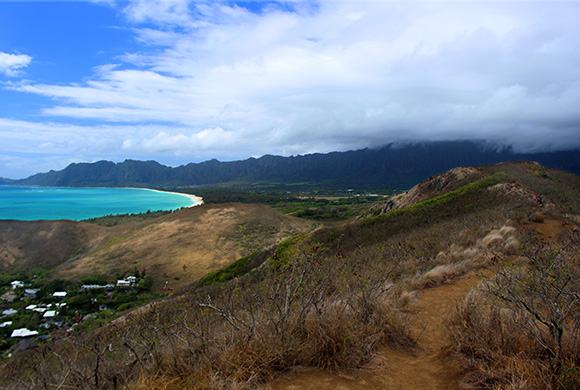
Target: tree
{"points": [[544, 299]]}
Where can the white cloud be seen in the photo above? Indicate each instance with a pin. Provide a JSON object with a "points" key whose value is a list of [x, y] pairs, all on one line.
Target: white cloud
{"points": [[219, 80], [11, 64]]}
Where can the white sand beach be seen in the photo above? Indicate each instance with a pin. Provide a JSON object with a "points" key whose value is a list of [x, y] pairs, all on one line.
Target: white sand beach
{"points": [[197, 200]]}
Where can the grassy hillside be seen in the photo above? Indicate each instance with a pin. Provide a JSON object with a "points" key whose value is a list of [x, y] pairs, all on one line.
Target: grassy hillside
{"points": [[179, 247], [328, 299], [45, 244]]}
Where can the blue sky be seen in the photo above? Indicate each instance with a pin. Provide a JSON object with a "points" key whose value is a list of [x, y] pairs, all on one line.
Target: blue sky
{"points": [[186, 81]]}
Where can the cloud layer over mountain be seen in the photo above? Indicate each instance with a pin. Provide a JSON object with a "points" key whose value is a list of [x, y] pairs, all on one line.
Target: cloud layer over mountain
{"points": [[231, 81]]}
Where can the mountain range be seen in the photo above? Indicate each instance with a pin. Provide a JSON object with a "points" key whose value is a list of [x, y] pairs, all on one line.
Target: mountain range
{"points": [[393, 166]]}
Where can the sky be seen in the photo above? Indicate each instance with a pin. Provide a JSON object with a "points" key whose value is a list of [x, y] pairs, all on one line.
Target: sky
{"points": [[187, 81]]}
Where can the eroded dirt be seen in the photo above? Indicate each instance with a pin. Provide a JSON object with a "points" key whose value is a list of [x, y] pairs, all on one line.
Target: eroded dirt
{"points": [[429, 367]]}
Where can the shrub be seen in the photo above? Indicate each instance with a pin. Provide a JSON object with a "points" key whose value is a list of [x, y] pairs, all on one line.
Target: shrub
{"points": [[523, 330]]}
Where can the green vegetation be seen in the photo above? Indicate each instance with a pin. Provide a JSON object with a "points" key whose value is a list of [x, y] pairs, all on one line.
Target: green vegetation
{"points": [[236, 269], [330, 298], [81, 309], [119, 219], [304, 202]]}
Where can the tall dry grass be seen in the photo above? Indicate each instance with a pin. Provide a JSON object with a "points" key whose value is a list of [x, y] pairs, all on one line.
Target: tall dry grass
{"points": [[326, 301], [318, 310], [522, 331]]}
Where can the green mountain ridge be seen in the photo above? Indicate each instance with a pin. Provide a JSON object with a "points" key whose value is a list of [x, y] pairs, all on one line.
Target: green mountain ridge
{"points": [[389, 167]]}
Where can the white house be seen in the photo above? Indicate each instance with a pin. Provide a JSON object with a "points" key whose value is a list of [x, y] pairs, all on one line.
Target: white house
{"points": [[5, 324], [49, 314], [123, 283], [9, 312], [17, 283], [23, 332], [59, 294], [30, 293]]}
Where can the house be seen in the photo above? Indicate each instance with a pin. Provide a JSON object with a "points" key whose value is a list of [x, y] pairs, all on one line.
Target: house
{"points": [[36, 308], [9, 312], [49, 314], [88, 287], [131, 279], [59, 294], [17, 283], [9, 296], [23, 332], [123, 283], [30, 293], [5, 324]]}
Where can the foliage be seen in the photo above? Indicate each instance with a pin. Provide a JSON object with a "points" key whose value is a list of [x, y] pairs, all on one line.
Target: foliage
{"points": [[323, 300], [95, 279], [119, 219], [523, 330], [236, 269]]}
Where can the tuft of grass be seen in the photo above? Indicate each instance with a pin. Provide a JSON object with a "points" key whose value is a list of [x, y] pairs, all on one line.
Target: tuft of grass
{"points": [[523, 330]]}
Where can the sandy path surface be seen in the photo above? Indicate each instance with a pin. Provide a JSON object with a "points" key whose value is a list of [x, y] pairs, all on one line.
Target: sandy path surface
{"points": [[429, 368]]}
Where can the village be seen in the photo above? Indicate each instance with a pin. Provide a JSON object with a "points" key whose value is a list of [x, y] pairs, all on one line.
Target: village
{"points": [[34, 310]]}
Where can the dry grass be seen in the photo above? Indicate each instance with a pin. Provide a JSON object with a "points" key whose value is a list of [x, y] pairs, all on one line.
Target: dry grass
{"points": [[327, 301], [319, 310], [459, 260], [523, 330], [184, 245]]}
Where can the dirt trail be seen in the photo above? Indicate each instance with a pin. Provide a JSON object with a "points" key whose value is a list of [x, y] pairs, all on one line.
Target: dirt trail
{"points": [[430, 368], [427, 369]]}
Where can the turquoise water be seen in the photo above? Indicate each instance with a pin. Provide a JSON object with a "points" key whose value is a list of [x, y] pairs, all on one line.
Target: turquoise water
{"points": [[33, 203]]}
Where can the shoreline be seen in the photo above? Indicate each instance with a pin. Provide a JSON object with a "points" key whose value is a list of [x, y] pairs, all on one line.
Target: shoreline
{"points": [[198, 200]]}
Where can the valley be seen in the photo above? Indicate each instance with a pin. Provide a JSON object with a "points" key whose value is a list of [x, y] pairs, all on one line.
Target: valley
{"points": [[263, 299]]}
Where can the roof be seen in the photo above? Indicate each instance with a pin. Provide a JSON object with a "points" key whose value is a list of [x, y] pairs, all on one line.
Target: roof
{"points": [[59, 294], [23, 332], [9, 312], [49, 314], [17, 283]]}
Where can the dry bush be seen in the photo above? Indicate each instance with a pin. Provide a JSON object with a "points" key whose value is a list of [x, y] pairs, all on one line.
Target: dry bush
{"points": [[490, 345], [319, 309], [458, 260], [523, 330], [537, 217]]}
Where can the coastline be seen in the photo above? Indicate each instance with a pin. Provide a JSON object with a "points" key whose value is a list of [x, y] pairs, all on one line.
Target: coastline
{"points": [[197, 200]]}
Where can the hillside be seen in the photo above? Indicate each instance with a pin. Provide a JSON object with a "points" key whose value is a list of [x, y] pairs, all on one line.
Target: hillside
{"points": [[357, 305], [45, 244], [389, 167], [180, 247]]}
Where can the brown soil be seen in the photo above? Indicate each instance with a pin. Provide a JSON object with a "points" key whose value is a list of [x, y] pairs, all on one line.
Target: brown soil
{"points": [[429, 367], [550, 229]]}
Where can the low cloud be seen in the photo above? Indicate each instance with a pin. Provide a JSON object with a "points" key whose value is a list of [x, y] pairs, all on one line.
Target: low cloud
{"points": [[11, 64]]}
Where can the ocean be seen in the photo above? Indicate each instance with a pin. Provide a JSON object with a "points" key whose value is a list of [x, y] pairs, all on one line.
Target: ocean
{"points": [[35, 203]]}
